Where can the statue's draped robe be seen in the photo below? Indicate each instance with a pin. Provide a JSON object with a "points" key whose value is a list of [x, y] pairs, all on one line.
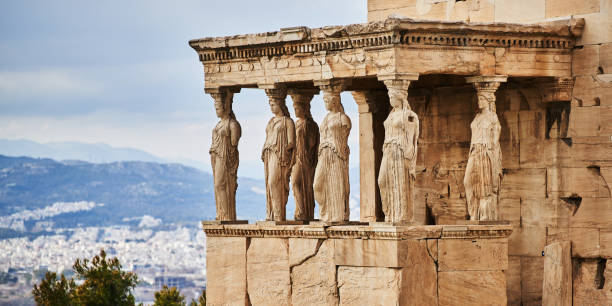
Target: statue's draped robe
{"points": [[224, 161], [484, 169], [397, 169], [278, 159], [331, 181], [302, 175]]}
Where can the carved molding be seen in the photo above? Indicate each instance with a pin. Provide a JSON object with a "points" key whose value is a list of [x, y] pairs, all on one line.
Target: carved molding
{"points": [[392, 32], [361, 232]]}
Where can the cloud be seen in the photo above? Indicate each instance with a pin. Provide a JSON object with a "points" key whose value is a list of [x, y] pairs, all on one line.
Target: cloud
{"points": [[45, 84]]}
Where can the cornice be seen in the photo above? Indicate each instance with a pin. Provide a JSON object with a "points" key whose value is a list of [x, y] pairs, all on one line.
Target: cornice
{"points": [[389, 33], [381, 232]]}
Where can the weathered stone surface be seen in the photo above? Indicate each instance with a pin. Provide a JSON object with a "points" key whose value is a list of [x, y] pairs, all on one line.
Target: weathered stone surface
{"points": [[369, 285], [524, 183], [527, 241], [593, 212], [591, 285], [268, 273], [532, 273], [585, 242], [301, 249], [226, 261], [513, 280], [605, 243], [472, 288], [521, 11], [584, 121], [585, 61], [557, 286], [378, 253], [313, 280], [472, 255]]}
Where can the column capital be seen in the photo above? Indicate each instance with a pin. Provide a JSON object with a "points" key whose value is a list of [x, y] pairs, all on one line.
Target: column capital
{"points": [[556, 90], [486, 83], [216, 90], [333, 85], [366, 100], [299, 95], [275, 90]]}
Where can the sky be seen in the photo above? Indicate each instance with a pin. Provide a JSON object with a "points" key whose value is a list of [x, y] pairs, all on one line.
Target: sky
{"points": [[122, 72]]}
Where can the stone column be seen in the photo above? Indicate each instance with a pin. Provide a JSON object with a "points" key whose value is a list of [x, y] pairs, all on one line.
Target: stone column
{"points": [[398, 167], [306, 153], [373, 109], [331, 181], [483, 172], [278, 153], [224, 154]]}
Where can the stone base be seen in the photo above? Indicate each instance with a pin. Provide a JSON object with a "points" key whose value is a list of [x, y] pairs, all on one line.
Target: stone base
{"points": [[380, 223], [286, 222], [222, 222], [336, 223], [477, 222], [356, 264]]}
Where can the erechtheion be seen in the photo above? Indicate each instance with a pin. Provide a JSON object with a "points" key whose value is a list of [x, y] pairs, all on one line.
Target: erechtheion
{"points": [[485, 148]]}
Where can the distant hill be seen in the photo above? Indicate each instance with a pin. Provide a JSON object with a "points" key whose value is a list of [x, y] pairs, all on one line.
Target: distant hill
{"points": [[90, 152], [170, 192]]}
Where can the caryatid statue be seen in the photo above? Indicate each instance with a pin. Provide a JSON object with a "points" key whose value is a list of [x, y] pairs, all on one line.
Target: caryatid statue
{"points": [[331, 180], [278, 155], [306, 147], [224, 155], [483, 172], [398, 166]]}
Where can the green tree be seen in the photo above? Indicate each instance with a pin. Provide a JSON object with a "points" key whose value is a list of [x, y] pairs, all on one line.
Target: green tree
{"points": [[53, 291], [102, 283], [169, 297], [201, 300]]}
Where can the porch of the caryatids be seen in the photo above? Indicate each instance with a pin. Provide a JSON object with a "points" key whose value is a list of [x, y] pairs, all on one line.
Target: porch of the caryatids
{"points": [[483, 173], [306, 154], [278, 153], [224, 154], [331, 180], [398, 167]]}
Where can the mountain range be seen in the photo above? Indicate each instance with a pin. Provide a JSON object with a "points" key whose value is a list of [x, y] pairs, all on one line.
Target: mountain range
{"points": [[125, 190]]}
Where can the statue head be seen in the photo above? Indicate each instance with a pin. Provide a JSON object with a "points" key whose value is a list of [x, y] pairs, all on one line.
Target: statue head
{"points": [[398, 98], [486, 101], [223, 104], [278, 107], [332, 102]]}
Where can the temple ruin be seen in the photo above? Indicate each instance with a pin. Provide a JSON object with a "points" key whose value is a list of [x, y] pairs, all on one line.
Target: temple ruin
{"points": [[485, 154]]}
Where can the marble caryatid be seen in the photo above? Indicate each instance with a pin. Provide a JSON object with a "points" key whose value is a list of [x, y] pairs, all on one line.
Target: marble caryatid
{"points": [[278, 155], [224, 156], [331, 180], [306, 146], [398, 166], [483, 172]]}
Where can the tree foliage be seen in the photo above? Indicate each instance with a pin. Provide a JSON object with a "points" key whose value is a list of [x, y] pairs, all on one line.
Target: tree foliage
{"points": [[53, 291], [169, 297], [102, 282]]}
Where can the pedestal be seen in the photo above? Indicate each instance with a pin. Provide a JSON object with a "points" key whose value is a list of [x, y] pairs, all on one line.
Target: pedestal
{"points": [[357, 264]]}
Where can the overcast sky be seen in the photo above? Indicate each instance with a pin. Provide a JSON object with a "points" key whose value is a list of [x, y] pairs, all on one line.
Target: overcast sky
{"points": [[122, 73]]}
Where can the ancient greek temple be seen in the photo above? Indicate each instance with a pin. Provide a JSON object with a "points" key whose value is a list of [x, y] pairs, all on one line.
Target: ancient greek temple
{"points": [[465, 141]]}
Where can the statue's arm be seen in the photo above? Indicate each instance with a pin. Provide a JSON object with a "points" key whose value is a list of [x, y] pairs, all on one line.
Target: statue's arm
{"points": [[290, 134], [415, 140], [235, 132]]}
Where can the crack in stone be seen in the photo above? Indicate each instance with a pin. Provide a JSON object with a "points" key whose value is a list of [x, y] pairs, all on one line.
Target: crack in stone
{"points": [[319, 243]]}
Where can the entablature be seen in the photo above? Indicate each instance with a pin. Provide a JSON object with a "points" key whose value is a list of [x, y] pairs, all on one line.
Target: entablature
{"points": [[301, 54]]}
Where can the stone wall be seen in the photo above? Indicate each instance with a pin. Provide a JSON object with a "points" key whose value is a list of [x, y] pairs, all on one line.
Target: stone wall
{"points": [[557, 181], [356, 265]]}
